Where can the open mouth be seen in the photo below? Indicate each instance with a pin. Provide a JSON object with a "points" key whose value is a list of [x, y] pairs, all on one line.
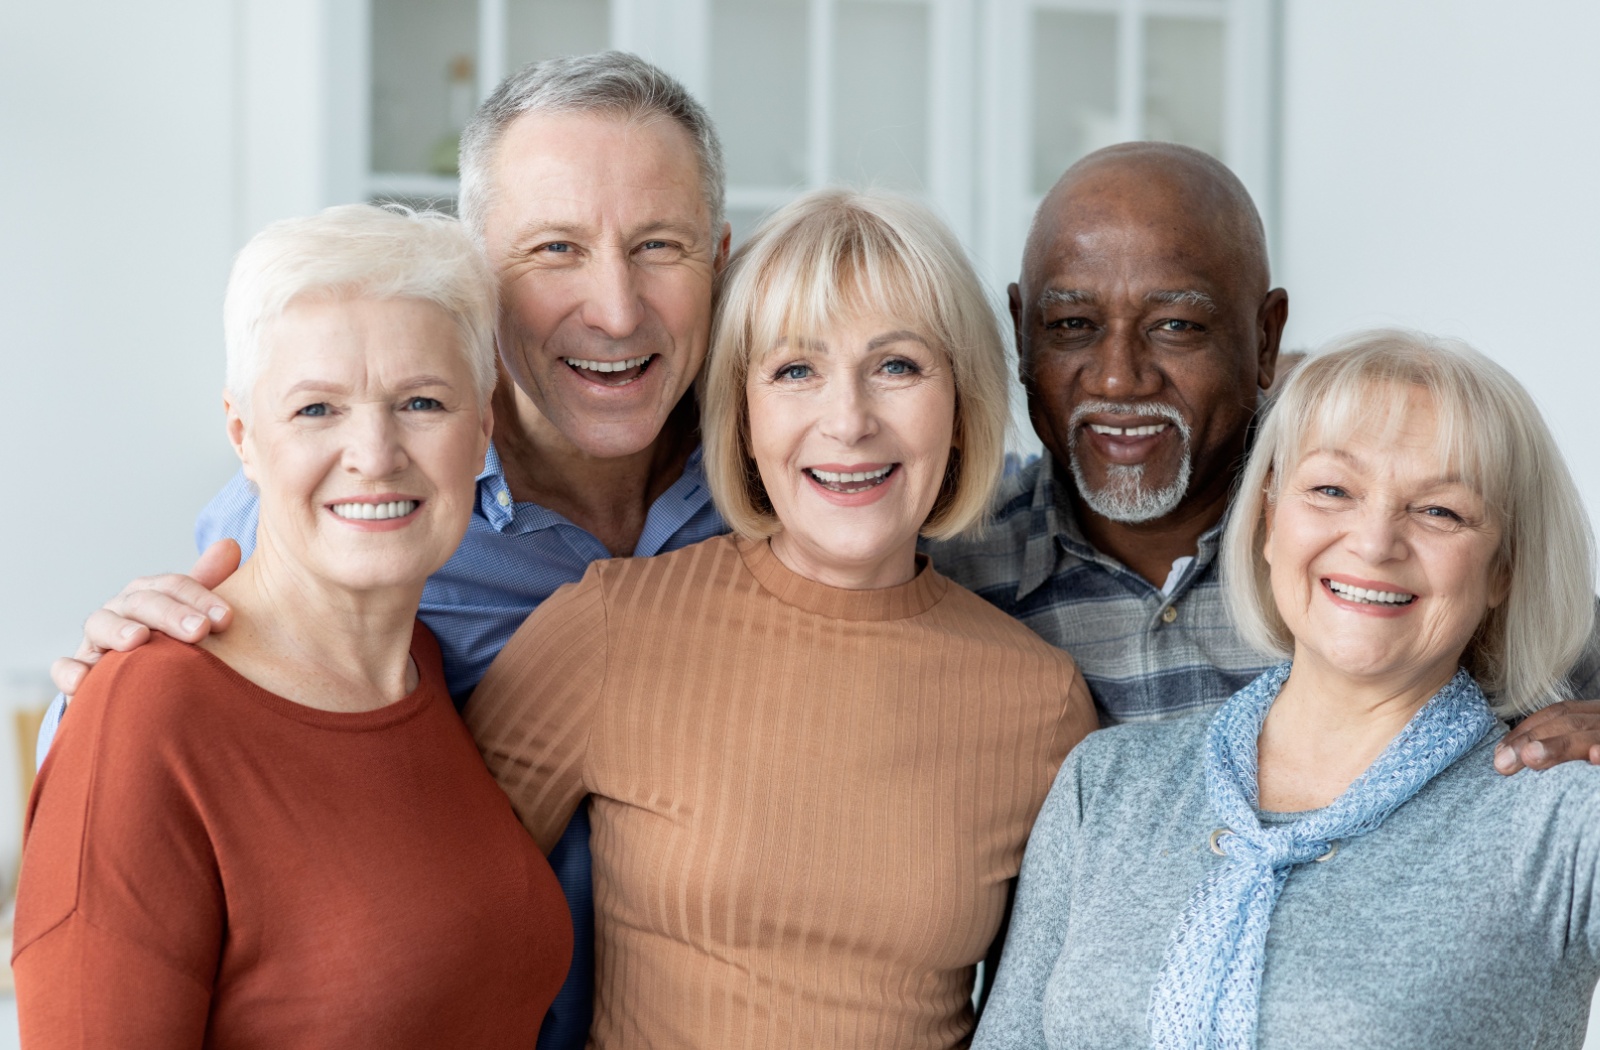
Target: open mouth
{"points": [[1145, 430], [849, 483], [374, 511], [611, 373], [1367, 596]]}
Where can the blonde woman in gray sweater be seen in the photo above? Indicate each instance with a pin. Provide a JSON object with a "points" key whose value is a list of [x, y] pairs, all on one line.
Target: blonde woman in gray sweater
{"points": [[1331, 860]]}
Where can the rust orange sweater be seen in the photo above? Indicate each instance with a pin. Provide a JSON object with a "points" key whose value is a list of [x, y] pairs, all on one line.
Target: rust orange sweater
{"points": [[208, 864], [807, 802]]}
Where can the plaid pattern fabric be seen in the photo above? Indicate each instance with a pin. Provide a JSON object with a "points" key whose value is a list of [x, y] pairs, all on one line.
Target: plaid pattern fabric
{"points": [[1146, 655]]}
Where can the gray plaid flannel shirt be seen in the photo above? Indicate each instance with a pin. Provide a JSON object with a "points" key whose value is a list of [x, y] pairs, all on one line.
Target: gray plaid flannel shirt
{"points": [[1146, 655]]}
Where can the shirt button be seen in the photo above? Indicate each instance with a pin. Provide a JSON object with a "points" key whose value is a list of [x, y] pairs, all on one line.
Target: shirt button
{"points": [[504, 498], [1169, 614]]}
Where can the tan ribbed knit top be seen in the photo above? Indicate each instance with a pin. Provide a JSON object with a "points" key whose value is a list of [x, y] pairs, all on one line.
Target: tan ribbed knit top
{"points": [[807, 802]]}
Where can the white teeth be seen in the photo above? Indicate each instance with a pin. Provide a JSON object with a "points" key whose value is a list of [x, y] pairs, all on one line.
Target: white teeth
{"points": [[828, 477], [1144, 431], [1369, 597], [607, 366], [374, 511]]}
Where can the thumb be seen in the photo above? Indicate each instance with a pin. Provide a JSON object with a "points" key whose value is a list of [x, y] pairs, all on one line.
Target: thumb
{"points": [[217, 563]]}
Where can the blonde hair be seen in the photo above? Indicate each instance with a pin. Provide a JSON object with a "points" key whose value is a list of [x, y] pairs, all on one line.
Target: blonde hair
{"points": [[359, 251], [1491, 433], [816, 262]]}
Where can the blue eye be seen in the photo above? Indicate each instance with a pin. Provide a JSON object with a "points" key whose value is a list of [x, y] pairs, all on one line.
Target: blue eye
{"points": [[423, 404], [318, 409], [1444, 513], [1330, 490], [900, 367], [556, 246], [793, 372]]}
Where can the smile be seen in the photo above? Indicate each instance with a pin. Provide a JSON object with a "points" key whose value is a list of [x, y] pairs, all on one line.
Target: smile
{"points": [[1148, 430], [851, 482], [612, 373], [1365, 596], [374, 511]]}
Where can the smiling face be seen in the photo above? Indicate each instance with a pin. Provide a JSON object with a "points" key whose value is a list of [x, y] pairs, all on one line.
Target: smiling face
{"points": [[1145, 329], [599, 232], [365, 435], [1383, 562], [851, 430]]}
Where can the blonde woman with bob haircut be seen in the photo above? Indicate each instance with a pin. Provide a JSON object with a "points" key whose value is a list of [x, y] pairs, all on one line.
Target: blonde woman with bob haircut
{"points": [[283, 835], [811, 760], [1332, 860]]}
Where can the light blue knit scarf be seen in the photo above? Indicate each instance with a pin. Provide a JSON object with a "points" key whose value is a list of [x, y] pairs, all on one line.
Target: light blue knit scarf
{"points": [[1208, 990]]}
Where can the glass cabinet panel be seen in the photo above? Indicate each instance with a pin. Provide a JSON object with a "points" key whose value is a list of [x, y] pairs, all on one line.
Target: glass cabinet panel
{"points": [[760, 63], [541, 29], [1183, 84], [880, 94], [1074, 90], [422, 77]]}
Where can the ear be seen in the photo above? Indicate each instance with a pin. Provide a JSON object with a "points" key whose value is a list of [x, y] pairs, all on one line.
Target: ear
{"points": [[1270, 319], [1499, 582], [238, 434], [1014, 303], [1269, 510], [724, 247]]}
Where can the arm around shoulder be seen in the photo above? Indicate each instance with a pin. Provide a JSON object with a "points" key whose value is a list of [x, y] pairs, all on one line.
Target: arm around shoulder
{"points": [[533, 713]]}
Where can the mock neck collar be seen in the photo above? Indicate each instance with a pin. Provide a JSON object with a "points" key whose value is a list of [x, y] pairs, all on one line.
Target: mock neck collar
{"points": [[912, 598]]}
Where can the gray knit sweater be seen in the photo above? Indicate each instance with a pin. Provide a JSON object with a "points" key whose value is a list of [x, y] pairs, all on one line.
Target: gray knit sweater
{"points": [[1470, 918]]}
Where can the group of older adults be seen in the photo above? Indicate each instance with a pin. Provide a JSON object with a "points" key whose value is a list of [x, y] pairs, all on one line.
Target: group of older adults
{"points": [[781, 674]]}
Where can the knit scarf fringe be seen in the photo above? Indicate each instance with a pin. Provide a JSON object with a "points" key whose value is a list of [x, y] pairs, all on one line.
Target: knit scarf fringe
{"points": [[1207, 994]]}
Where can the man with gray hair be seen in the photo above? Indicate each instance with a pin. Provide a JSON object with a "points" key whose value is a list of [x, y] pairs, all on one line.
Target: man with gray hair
{"points": [[595, 186]]}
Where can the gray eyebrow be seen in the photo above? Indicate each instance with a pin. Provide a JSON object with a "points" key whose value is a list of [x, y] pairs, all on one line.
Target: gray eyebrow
{"points": [[1066, 297], [1184, 297]]}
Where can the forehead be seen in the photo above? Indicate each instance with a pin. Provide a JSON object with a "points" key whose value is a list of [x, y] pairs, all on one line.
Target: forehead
{"points": [[329, 337], [596, 168], [1110, 238], [1390, 429]]}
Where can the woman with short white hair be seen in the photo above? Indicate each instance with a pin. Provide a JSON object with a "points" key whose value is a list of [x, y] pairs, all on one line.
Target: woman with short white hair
{"points": [[1331, 860], [811, 761], [283, 836]]}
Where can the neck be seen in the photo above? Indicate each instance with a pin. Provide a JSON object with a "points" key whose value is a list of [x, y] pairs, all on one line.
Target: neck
{"points": [[607, 496], [314, 643], [1150, 547], [1326, 728]]}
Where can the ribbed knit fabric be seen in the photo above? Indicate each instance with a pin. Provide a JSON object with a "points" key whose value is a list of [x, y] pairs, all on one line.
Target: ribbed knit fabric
{"points": [[807, 802]]}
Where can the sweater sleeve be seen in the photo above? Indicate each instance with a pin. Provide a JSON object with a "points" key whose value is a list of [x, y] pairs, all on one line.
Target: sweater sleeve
{"points": [[533, 713], [120, 913], [1014, 1016]]}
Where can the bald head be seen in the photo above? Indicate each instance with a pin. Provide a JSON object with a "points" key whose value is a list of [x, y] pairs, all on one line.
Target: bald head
{"points": [[1155, 185]]}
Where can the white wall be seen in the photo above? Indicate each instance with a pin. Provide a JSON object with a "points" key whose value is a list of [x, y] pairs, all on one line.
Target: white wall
{"points": [[1439, 170]]}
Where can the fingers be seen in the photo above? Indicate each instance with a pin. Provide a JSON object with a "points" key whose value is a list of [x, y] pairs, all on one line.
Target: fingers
{"points": [[216, 563], [1565, 732], [174, 605], [67, 674]]}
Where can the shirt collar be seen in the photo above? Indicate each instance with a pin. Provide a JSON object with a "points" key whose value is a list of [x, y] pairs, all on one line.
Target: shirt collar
{"points": [[499, 509], [1053, 530]]}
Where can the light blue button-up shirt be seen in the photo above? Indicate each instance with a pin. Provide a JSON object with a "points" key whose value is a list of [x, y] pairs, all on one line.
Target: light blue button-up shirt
{"points": [[513, 557]]}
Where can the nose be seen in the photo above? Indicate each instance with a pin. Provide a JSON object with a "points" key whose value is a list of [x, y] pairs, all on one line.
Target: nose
{"points": [[1377, 534], [1119, 367], [613, 305], [848, 415], [375, 448]]}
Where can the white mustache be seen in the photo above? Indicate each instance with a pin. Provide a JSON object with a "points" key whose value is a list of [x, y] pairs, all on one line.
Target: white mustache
{"points": [[1154, 409]]}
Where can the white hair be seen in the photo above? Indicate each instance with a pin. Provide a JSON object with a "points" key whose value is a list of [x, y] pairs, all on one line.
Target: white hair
{"points": [[1491, 434], [359, 251], [610, 82]]}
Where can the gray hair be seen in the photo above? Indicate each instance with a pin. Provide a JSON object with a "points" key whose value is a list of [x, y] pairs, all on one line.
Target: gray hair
{"points": [[612, 82], [1491, 433], [359, 251]]}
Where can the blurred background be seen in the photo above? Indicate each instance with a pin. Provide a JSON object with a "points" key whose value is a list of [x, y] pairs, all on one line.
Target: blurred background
{"points": [[1422, 162]]}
